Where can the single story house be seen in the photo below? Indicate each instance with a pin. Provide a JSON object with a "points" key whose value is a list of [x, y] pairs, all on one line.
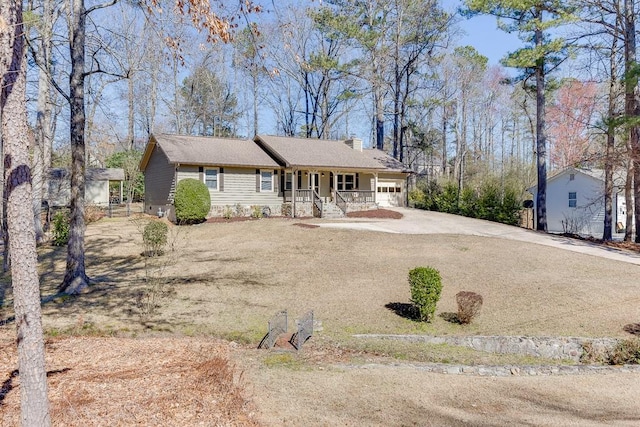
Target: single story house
{"points": [[282, 175], [96, 186], [575, 202]]}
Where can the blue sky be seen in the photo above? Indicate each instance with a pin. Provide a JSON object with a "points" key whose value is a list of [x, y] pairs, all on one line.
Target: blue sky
{"points": [[482, 33]]}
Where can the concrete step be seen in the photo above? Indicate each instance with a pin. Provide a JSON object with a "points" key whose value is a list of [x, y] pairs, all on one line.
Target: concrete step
{"points": [[331, 211]]}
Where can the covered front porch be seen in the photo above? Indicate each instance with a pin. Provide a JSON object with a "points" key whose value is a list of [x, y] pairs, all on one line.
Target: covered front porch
{"points": [[329, 193]]}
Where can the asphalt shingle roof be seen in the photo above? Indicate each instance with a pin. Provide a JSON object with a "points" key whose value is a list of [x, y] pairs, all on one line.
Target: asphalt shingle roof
{"points": [[198, 150], [317, 153]]}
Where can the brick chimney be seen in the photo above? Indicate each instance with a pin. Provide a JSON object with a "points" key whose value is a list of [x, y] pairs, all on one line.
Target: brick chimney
{"points": [[354, 143]]}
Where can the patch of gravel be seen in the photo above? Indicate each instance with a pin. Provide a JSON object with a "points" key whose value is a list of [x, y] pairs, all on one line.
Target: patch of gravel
{"points": [[570, 348]]}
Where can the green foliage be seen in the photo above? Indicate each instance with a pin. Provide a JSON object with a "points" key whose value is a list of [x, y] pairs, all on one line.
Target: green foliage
{"points": [[256, 211], [154, 237], [488, 200], [426, 286], [227, 213], [60, 228], [133, 178], [192, 201]]}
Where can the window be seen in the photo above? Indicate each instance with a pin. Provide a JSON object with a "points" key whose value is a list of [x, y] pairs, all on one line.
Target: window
{"points": [[572, 176], [573, 199], [266, 180], [211, 179], [346, 182], [288, 181]]}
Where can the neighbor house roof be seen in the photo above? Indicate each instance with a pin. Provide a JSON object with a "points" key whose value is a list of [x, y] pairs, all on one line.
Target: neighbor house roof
{"points": [[199, 150], [316, 153], [388, 162], [619, 176], [92, 174]]}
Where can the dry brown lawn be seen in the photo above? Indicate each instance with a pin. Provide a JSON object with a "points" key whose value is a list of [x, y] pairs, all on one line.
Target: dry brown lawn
{"points": [[226, 279]]}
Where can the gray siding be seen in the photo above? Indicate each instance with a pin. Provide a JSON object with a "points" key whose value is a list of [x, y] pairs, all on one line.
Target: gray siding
{"points": [[239, 187], [158, 182]]}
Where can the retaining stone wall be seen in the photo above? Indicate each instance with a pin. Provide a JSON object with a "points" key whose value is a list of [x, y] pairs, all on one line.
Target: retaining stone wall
{"points": [[550, 348]]}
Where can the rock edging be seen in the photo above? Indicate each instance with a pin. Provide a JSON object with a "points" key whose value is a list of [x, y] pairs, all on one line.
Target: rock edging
{"points": [[560, 348]]}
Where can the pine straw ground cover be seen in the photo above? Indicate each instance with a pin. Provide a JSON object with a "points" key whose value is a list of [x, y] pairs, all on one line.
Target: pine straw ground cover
{"points": [[97, 381]]}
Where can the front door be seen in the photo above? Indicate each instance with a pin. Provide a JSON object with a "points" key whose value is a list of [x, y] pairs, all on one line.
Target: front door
{"points": [[316, 182]]}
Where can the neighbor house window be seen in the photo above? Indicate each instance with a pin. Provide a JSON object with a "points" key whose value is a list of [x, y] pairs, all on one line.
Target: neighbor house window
{"points": [[211, 179], [266, 180], [573, 199], [288, 181], [572, 176]]}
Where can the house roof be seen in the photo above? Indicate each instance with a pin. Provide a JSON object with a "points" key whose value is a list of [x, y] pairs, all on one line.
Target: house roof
{"points": [[388, 162], [199, 150], [93, 174], [316, 153], [619, 176]]}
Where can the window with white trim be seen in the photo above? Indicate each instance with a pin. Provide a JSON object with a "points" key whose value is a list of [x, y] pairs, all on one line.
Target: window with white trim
{"points": [[573, 199], [266, 180], [346, 181], [211, 178], [288, 180]]}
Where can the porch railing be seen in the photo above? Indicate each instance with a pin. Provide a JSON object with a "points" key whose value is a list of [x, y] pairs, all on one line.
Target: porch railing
{"points": [[356, 196], [302, 195], [341, 202]]}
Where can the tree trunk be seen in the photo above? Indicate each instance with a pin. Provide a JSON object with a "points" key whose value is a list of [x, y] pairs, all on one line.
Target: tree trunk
{"points": [[541, 141], [75, 279], [131, 107], [379, 101], [631, 107], [609, 164], [17, 190], [43, 137]]}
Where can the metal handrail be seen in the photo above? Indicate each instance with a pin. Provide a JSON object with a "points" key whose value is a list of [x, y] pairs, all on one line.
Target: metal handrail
{"points": [[341, 202], [317, 201]]}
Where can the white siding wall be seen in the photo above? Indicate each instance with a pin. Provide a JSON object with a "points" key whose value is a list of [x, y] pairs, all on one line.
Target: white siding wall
{"points": [[588, 215], [96, 192]]}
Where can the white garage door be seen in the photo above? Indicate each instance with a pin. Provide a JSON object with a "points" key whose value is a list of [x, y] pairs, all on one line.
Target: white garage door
{"points": [[390, 192]]}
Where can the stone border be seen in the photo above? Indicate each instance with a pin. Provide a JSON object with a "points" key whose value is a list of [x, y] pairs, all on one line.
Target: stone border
{"points": [[561, 348], [502, 371]]}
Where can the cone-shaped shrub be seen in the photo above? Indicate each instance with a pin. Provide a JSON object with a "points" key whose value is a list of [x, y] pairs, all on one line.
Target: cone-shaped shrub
{"points": [[426, 286]]}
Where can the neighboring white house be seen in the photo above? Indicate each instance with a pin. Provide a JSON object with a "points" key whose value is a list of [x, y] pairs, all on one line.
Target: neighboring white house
{"points": [[96, 186], [575, 202]]}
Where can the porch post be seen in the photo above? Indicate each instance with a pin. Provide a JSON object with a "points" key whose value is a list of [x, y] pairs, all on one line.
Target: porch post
{"points": [[121, 192], [375, 187], [294, 182]]}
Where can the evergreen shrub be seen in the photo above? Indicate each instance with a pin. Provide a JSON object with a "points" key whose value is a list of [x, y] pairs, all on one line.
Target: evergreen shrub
{"points": [[426, 286], [192, 201]]}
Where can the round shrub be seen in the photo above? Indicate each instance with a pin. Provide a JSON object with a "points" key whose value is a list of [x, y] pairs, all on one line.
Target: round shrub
{"points": [[426, 286], [192, 201], [154, 237]]}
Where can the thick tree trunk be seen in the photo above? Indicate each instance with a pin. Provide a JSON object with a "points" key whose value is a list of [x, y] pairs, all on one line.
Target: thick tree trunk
{"points": [[75, 279], [541, 140], [17, 191]]}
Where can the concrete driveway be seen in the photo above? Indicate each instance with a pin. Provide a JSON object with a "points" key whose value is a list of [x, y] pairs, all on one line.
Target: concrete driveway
{"points": [[417, 221]]}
